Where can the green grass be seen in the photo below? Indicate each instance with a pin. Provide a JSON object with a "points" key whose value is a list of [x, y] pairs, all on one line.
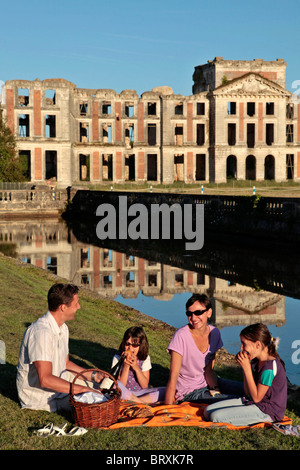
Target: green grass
{"points": [[94, 335]]}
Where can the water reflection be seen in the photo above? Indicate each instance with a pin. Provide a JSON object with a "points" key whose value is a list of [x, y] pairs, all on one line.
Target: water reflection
{"points": [[159, 283]]}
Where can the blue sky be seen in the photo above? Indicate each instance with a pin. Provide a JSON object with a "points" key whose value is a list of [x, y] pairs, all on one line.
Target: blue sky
{"points": [[137, 44]]}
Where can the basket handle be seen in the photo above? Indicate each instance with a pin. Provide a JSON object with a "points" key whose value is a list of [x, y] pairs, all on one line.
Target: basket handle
{"points": [[91, 370]]}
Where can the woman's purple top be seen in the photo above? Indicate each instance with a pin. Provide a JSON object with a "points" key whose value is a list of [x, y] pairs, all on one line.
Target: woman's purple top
{"points": [[191, 376], [272, 374]]}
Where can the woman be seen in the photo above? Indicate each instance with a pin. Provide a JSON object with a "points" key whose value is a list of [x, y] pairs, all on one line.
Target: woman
{"points": [[192, 350]]}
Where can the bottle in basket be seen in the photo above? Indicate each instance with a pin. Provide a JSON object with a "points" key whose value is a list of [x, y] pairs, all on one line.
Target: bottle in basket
{"points": [[107, 383]]}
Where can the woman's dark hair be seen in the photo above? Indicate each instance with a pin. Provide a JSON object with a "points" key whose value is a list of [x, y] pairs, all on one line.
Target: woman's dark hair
{"points": [[260, 332], [60, 294], [136, 332], [202, 298]]}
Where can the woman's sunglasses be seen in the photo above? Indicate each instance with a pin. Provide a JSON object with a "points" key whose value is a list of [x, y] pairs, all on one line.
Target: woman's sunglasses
{"points": [[134, 345], [196, 312]]}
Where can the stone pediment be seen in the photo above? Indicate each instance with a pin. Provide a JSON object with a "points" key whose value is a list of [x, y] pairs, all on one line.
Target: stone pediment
{"points": [[251, 84], [248, 300]]}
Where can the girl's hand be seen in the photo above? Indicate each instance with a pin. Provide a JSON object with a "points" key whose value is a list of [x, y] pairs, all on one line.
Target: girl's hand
{"points": [[243, 359], [131, 360]]}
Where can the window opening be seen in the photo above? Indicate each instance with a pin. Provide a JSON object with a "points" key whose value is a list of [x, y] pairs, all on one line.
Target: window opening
{"points": [[269, 167], [52, 264], [200, 167], [290, 166], [200, 134], [84, 167], [231, 167], [152, 280], [107, 281], [129, 260], [129, 135], [24, 125], [250, 135], [200, 109], [85, 279], [289, 133], [151, 134], [130, 167], [25, 157], [231, 107], [250, 109], [107, 167], [200, 279], [84, 132], [51, 164], [23, 97], [50, 97], [290, 111], [178, 167], [129, 109], [130, 281], [83, 108], [107, 258], [106, 108], [179, 109], [152, 167], [50, 126], [151, 109], [179, 134], [269, 108], [107, 134], [231, 134], [84, 257], [251, 168], [269, 134]]}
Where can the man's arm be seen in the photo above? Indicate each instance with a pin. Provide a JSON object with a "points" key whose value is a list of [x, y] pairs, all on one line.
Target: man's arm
{"points": [[57, 384]]}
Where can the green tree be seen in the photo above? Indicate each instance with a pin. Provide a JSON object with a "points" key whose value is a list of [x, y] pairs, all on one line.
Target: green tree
{"points": [[12, 167]]}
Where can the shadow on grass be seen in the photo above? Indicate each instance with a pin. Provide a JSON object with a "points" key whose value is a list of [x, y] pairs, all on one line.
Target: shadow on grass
{"points": [[86, 354]]}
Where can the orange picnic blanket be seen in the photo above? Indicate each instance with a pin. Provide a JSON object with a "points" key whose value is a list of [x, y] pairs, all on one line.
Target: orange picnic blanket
{"points": [[184, 414]]}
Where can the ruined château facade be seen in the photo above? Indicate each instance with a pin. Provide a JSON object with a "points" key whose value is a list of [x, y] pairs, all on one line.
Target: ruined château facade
{"points": [[240, 122]]}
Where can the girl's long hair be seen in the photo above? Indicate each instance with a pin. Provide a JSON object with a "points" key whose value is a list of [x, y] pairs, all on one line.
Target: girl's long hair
{"points": [[260, 332], [137, 333]]}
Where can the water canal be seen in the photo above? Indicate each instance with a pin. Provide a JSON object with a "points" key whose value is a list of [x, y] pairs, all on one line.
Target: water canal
{"points": [[246, 286]]}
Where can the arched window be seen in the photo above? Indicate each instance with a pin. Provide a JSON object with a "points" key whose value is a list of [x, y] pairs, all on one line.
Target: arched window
{"points": [[251, 167], [231, 167], [269, 167]]}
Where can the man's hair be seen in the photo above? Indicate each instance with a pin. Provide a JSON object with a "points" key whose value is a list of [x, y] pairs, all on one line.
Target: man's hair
{"points": [[60, 294]]}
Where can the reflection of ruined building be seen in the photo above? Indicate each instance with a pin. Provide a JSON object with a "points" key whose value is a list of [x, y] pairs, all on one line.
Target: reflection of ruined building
{"points": [[235, 304], [240, 122], [42, 243], [49, 245]]}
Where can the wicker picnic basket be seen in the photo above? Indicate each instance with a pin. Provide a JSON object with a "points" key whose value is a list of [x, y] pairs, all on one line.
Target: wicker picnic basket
{"points": [[95, 415]]}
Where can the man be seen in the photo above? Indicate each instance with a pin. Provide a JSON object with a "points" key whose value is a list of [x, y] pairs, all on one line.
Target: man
{"points": [[44, 355]]}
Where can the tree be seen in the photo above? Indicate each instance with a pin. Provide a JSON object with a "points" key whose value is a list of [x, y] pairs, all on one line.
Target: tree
{"points": [[12, 167]]}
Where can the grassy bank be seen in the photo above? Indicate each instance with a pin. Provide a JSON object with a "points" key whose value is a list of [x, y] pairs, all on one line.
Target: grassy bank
{"points": [[94, 335]]}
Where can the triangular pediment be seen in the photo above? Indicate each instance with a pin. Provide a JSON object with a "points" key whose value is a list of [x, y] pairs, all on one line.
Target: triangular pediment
{"points": [[247, 299], [251, 84]]}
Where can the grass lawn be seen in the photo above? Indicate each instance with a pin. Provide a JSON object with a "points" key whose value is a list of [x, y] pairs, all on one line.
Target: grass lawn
{"points": [[94, 335]]}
